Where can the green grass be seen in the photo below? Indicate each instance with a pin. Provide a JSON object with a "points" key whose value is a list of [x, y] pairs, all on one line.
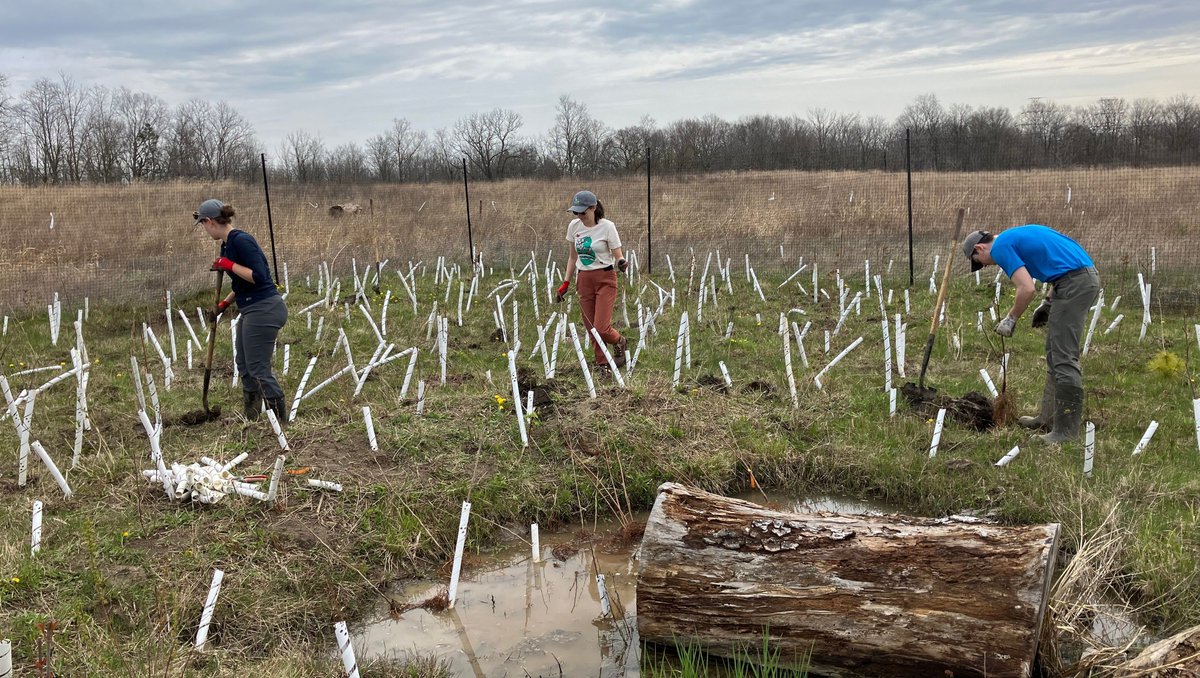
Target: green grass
{"points": [[125, 572]]}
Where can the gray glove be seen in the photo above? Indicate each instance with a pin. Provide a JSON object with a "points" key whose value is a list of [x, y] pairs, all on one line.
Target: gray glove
{"points": [[1041, 315], [1005, 327]]}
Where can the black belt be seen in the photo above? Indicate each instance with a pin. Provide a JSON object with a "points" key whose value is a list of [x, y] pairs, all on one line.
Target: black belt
{"points": [[1070, 274]]}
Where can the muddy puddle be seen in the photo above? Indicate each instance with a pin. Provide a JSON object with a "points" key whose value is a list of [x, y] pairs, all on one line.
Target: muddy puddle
{"points": [[514, 617]]}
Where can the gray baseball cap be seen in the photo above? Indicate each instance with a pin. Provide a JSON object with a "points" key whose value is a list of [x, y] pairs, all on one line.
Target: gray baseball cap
{"points": [[209, 209], [582, 201], [968, 248]]}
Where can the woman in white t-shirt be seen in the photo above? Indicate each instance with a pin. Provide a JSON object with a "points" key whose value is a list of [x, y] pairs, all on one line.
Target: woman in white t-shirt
{"points": [[595, 253]]}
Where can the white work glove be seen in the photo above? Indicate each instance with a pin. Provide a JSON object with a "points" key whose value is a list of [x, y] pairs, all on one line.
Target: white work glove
{"points": [[1005, 327]]}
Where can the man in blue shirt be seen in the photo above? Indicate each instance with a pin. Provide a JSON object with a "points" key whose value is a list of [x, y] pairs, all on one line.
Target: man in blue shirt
{"points": [[1033, 252]]}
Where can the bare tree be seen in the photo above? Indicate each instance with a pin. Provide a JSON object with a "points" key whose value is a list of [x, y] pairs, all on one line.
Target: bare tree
{"points": [[993, 135], [1181, 119], [630, 144], [1045, 123], [409, 144], [303, 156], [381, 157], [442, 159], [103, 133], [347, 164], [227, 142], [144, 120], [926, 117], [7, 127], [486, 139], [698, 144], [821, 123], [42, 127], [72, 111], [578, 141]]}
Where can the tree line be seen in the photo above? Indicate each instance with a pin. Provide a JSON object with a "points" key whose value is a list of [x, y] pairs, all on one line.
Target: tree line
{"points": [[59, 131]]}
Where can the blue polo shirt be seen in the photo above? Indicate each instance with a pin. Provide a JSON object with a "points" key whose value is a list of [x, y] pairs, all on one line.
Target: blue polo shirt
{"points": [[241, 248], [1044, 252]]}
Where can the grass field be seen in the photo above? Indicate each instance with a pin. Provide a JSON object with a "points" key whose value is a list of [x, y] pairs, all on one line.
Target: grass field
{"points": [[124, 573], [130, 243]]}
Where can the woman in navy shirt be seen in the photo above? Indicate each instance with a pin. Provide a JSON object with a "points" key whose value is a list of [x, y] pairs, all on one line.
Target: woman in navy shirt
{"points": [[262, 309]]}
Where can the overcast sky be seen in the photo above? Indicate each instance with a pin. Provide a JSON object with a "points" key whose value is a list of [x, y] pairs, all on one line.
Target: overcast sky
{"points": [[344, 69]]}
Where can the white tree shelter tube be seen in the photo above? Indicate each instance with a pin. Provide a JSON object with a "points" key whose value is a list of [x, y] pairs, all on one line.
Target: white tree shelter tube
{"points": [[58, 476], [345, 647], [459, 545], [210, 604], [35, 537], [937, 433]]}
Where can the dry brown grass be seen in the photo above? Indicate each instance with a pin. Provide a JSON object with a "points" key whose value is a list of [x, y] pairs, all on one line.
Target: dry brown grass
{"points": [[134, 242]]}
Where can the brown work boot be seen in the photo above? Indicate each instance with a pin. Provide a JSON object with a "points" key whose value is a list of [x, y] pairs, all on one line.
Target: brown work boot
{"points": [[618, 351]]}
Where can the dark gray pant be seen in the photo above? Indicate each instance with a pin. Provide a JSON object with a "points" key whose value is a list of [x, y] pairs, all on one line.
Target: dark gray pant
{"points": [[257, 330], [1074, 295]]}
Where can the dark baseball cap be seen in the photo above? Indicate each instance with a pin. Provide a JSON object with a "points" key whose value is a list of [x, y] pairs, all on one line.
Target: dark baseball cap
{"points": [[968, 248], [582, 201], [209, 209]]}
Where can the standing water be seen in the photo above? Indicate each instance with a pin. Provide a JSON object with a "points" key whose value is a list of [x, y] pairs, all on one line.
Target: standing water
{"points": [[514, 617]]}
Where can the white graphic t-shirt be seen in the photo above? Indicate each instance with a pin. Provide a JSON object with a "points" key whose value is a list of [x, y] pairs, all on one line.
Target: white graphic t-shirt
{"points": [[594, 244]]}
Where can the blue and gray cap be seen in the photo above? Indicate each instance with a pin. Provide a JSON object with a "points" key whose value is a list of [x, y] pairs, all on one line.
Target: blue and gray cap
{"points": [[209, 209], [582, 201]]}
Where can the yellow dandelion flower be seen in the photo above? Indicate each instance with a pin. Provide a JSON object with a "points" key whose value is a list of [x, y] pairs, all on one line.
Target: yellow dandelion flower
{"points": [[125, 533], [15, 580]]}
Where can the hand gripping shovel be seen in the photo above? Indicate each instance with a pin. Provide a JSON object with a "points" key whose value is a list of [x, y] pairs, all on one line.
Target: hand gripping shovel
{"points": [[919, 392]]}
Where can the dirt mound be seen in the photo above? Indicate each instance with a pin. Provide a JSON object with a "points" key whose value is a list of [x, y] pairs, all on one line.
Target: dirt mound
{"points": [[973, 409]]}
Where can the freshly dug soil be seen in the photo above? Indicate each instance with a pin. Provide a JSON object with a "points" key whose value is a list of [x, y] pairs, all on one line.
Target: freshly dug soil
{"points": [[973, 409]]}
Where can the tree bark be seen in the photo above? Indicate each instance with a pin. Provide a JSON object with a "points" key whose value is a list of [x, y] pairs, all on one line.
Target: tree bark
{"points": [[863, 595]]}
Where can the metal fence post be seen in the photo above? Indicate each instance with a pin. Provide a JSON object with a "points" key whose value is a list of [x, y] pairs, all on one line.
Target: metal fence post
{"points": [[908, 170], [467, 196]]}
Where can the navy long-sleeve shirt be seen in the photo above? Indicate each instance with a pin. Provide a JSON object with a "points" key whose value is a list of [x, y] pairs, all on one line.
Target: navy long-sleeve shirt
{"points": [[241, 248]]}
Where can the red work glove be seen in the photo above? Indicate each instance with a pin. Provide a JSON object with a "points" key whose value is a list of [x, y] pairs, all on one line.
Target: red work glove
{"points": [[562, 290], [222, 264], [220, 308]]}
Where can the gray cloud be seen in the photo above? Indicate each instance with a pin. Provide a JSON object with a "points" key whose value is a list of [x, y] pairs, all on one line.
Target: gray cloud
{"points": [[344, 70]]}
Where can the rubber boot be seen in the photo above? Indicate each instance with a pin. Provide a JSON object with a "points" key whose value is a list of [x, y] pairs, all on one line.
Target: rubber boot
{"points": [[1068, 414], [251, 405], [1045, 417], [279, 407]]}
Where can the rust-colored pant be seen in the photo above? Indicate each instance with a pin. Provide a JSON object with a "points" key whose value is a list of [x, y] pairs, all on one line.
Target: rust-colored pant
{"points": [[597, 297]]}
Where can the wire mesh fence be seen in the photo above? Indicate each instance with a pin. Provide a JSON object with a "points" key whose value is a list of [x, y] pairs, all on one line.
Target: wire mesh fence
{"points": [[134, 242]]}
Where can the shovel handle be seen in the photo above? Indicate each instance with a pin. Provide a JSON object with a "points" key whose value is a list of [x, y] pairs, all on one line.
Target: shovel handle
{"points": [[212, 342], [941, 297]]}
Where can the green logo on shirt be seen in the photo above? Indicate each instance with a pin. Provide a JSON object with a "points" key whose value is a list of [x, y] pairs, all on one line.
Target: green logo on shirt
{"points": [[583, 247]]}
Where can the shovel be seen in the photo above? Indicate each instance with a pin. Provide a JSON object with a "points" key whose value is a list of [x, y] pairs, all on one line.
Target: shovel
{"points": [[212, 342], [197, 417], [919, 392]]}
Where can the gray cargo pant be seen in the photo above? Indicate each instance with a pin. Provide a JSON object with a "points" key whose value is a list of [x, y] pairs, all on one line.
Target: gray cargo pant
{"points": [[257, 330], [1074, 295]]}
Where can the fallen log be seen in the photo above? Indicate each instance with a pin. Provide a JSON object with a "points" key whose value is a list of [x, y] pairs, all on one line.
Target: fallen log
{"points": [[1174, 657], [863, 595]]}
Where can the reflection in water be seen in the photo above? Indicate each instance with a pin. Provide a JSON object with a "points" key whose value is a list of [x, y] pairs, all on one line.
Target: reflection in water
{"points": [[540, 619], [515, 617]]}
